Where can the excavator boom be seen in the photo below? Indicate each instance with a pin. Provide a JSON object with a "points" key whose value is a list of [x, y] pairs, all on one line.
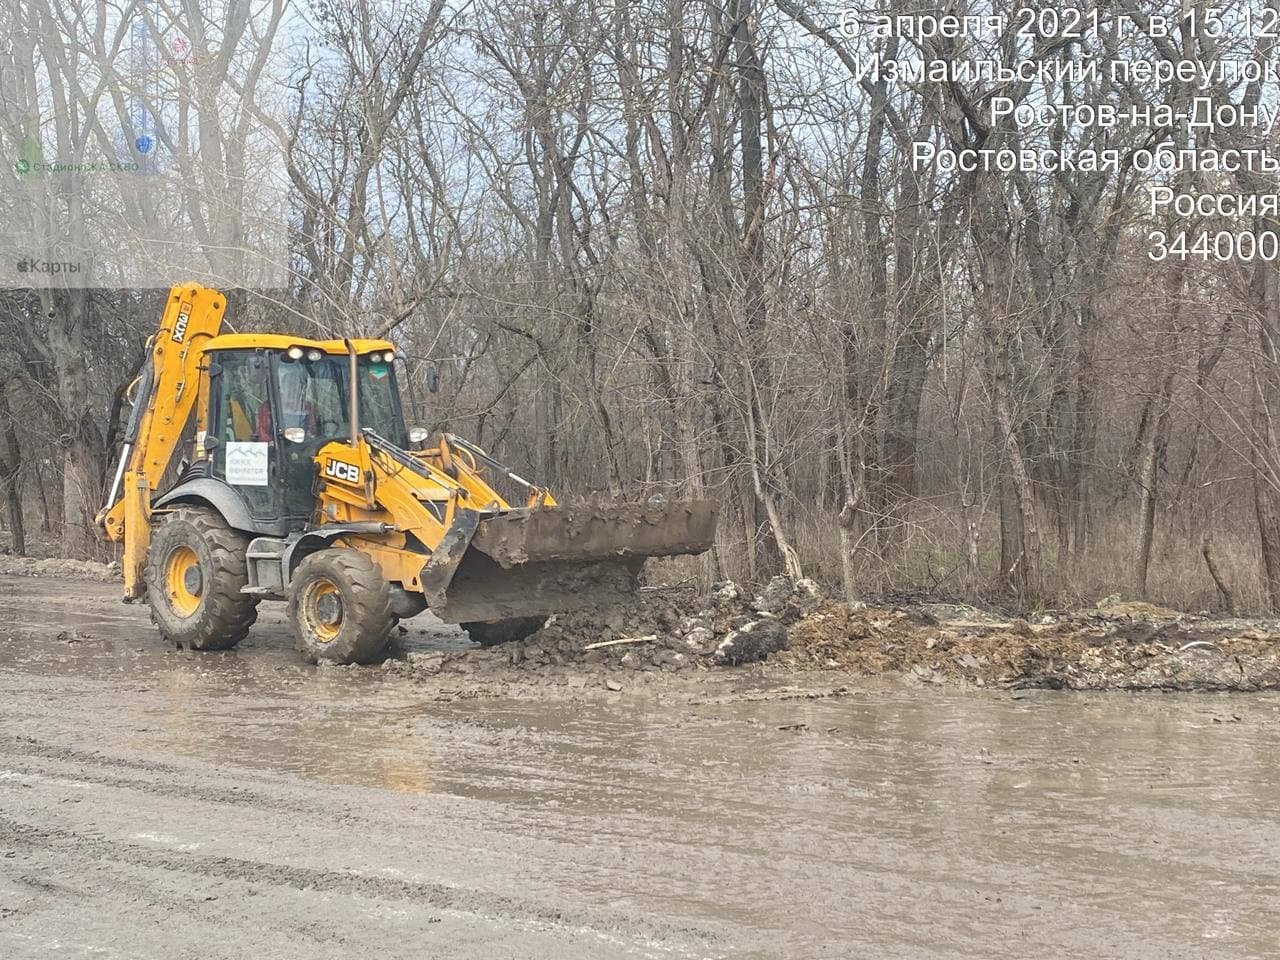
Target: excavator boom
{"points": [[163, 395]]}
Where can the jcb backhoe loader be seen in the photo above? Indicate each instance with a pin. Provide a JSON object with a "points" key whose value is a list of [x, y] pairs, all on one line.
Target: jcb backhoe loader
{"points": [[269, 466]]}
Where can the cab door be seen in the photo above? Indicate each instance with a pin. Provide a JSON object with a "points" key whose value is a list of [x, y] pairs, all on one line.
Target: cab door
{"points": [[242, 416]]}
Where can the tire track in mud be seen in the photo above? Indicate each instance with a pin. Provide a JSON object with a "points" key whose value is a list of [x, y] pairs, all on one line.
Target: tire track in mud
{"points": [[266, 794], [634, 832], [442, 896], [15, 750], [16, 835], [41, 768]]}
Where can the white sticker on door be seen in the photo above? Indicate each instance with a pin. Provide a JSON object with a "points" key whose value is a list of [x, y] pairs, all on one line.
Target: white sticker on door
{"points": [[247, 463]]}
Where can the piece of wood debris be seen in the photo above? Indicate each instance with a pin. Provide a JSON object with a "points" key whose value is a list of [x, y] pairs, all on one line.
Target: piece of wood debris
{"points": [[649, 638]]}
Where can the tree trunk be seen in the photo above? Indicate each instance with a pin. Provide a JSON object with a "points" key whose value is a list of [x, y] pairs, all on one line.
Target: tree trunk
{"points": [[1027, 574], [751, 105], [70, 314], [46, 523], [972, 571], [10, 466], [1228, 596], [1266, 452], [1148, 482], [1010, 523], [1158, 435], [1267, 506]]}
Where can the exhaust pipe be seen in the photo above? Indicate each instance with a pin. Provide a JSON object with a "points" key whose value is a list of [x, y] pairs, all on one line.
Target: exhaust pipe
{"points": [[354, 392]]}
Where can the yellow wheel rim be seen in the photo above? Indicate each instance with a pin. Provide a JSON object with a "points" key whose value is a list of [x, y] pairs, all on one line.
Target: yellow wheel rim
{"points": [[322, 608], [184, 580]]}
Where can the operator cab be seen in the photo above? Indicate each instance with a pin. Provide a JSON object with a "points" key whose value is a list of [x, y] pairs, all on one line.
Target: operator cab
{"points": [[274, 401]]}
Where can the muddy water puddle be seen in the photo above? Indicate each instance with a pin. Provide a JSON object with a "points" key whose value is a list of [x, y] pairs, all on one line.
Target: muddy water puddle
{"points": [[889, 822]]}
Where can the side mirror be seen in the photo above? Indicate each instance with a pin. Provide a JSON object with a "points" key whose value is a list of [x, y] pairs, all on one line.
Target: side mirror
{"points": [[432, 377], [418, 434]]}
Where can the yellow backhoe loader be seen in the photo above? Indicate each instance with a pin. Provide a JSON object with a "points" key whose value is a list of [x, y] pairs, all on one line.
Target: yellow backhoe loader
{"points": [[273, 467]]}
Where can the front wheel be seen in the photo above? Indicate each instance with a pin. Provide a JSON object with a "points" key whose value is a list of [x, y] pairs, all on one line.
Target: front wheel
{"points": [[195, 568], [490, 633], [340, 607]]}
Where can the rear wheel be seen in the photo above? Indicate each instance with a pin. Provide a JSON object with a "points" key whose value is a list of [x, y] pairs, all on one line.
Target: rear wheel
{"points": [[340, 607], [195, 568], [490, 633]]}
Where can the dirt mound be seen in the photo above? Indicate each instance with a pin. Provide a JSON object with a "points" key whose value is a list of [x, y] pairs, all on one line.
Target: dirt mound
{"points": [[1130, 646], [1136, 610], [661, 630], [790, 627], [55, 567]]}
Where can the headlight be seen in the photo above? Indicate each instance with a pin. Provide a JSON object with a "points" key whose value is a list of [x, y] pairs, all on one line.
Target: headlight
{"points": [[389, 356], [295, 353], [314, 355]]}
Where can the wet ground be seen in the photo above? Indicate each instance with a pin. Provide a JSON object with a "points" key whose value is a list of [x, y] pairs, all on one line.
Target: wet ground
{"points": [[156, 803]]}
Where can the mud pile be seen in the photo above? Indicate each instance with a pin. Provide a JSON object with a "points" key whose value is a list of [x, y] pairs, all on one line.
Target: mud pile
{"points": [[662, 630], [790, 627], [1130, 646], [56, 567]]}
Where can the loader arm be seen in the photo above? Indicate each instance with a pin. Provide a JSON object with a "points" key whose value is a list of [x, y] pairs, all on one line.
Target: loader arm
{"points": [[450, 536], [163, 395], [425, 505]]}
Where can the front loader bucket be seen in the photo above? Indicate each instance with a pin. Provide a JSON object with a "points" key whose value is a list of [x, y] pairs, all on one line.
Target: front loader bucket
{"points": [[536, 562]]}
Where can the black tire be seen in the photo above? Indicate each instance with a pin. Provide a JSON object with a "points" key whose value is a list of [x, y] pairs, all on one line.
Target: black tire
{"points": [[210, 613], [352, 627], [490, 633]]}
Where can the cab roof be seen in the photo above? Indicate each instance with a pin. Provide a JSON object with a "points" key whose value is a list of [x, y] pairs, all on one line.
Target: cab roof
{"points": [[281, 341]]}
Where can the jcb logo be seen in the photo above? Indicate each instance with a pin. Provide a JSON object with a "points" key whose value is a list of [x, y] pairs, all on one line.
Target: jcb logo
{"points": [[346, 472]]}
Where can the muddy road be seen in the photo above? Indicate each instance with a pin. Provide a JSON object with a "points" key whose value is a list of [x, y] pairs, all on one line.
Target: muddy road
{"points": [[164, 804]]}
